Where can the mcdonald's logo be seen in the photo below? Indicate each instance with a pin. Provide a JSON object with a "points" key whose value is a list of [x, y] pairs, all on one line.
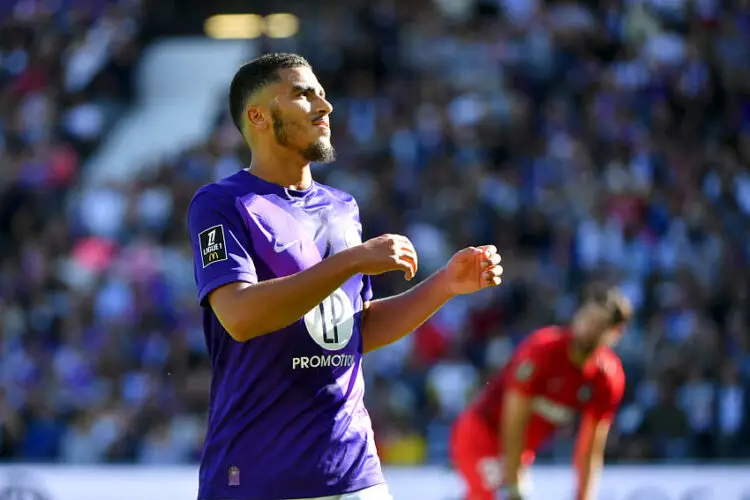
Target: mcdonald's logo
{"points": [[213, 256]]}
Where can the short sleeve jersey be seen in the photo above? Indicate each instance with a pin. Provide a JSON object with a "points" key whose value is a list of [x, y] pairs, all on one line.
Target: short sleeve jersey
{"points": [[286, 416], [541, 368]]}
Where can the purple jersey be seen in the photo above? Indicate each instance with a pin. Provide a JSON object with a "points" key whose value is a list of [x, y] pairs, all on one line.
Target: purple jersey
{"points": [[286, 416]]}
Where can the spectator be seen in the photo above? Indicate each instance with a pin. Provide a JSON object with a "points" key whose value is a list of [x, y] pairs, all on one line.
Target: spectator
{"points": [[732, 411], [667, 427]]}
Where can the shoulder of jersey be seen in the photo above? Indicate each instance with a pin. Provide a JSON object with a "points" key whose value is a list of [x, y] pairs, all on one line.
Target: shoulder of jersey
{"points": [[219, 188], [208, 190], [609, 364], [547, 335], [340, 195]]}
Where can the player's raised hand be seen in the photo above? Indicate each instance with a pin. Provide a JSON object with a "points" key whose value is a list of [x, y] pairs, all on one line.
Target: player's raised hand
{"points": [[389, 252], [473, 269]]}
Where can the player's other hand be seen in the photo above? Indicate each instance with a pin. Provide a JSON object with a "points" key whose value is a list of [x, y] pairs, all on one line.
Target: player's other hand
{"points": [[473, 269], [389, 252]]}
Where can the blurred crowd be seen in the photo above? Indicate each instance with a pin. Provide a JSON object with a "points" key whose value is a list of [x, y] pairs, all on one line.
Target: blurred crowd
{"points": [[587, 140]]}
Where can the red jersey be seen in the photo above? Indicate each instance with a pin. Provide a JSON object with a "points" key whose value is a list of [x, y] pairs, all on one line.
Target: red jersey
{"points": [[541, 368]]}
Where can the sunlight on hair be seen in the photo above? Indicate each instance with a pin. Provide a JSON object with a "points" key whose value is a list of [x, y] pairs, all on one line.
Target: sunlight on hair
{"points": [[234, 26], [281, 25]]}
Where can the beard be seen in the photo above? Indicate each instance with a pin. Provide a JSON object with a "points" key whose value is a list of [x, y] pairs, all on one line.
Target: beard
{"points": [[317, 152]]}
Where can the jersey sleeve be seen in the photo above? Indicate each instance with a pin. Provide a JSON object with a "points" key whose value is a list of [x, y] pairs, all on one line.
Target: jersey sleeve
{"points": [[606, 402], [220, 244], [527, 371]]}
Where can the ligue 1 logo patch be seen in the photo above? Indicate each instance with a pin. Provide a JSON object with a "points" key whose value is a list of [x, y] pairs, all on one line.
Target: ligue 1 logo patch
{"points": [[212, 245], [234, 476]]}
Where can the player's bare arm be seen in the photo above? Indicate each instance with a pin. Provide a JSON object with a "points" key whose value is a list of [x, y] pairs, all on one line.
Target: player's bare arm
{"points": [[249, 310], [515, 418], [387, 320], [589, 454]]}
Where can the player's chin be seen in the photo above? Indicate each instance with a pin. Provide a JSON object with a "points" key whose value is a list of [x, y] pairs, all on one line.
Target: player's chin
{"points": [[320, 151], [324, 142], [321, 134]]}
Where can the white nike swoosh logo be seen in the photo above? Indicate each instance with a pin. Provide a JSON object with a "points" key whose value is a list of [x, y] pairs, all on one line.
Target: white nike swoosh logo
{"points": [[278, 247]]}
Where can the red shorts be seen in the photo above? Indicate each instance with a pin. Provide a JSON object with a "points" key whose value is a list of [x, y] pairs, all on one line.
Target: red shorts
{"points": [[475, 451]]}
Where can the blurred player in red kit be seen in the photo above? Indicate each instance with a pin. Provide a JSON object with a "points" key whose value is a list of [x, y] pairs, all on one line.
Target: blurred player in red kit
{"points": [[554, 375]]}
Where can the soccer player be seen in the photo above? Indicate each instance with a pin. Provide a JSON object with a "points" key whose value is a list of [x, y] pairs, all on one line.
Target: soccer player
{"points": [[554, 375], [288, 312]]}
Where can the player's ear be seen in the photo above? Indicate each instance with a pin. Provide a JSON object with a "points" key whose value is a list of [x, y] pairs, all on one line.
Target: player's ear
{"points": [[255, 117]]}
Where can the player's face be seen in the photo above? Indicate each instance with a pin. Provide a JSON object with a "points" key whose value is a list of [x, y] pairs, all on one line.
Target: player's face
{"points": [[612, 336], [591, 330], [300, 116]]}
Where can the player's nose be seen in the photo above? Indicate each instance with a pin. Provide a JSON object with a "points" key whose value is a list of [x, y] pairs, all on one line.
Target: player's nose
{"points": [[324, 107]]}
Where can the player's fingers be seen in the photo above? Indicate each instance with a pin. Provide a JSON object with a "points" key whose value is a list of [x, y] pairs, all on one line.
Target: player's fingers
{"points": [[491, 260], [407, 246], [407, 264], [401, 239], [409, 250], [401, 263], [415, 262], [488, 250], [491, 279], [495, 271]]}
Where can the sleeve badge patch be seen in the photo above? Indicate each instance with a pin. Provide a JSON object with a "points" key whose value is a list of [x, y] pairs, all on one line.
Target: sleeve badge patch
{"points": [[212, 245]]}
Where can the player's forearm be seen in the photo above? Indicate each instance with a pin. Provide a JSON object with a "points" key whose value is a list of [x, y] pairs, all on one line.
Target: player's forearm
{"points": [[515, 417], [588, 474], [387, 320], [589, 454], [271, 305]]}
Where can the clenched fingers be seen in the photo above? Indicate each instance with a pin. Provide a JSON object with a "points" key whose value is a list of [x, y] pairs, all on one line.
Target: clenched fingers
{"points": [[490, 262], [492, 276], [408, 264], [489, 250], [406, 256]]}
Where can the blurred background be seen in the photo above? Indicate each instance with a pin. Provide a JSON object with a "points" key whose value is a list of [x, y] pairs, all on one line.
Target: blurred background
{"points": [[587, 139]]}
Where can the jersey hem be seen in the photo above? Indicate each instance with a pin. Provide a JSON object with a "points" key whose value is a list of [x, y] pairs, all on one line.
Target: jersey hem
{"points": [[352, 488]]}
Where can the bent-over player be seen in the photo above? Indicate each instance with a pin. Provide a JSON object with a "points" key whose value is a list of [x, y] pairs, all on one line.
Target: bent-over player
{"points": [[554, 375]]}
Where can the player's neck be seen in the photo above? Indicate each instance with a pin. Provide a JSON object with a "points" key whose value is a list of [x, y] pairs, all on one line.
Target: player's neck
{"points": [[577, 354], [289, 174]]}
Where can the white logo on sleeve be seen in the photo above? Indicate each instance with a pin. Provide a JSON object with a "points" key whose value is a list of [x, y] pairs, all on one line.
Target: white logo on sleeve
{"points": [[331, 323]]}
